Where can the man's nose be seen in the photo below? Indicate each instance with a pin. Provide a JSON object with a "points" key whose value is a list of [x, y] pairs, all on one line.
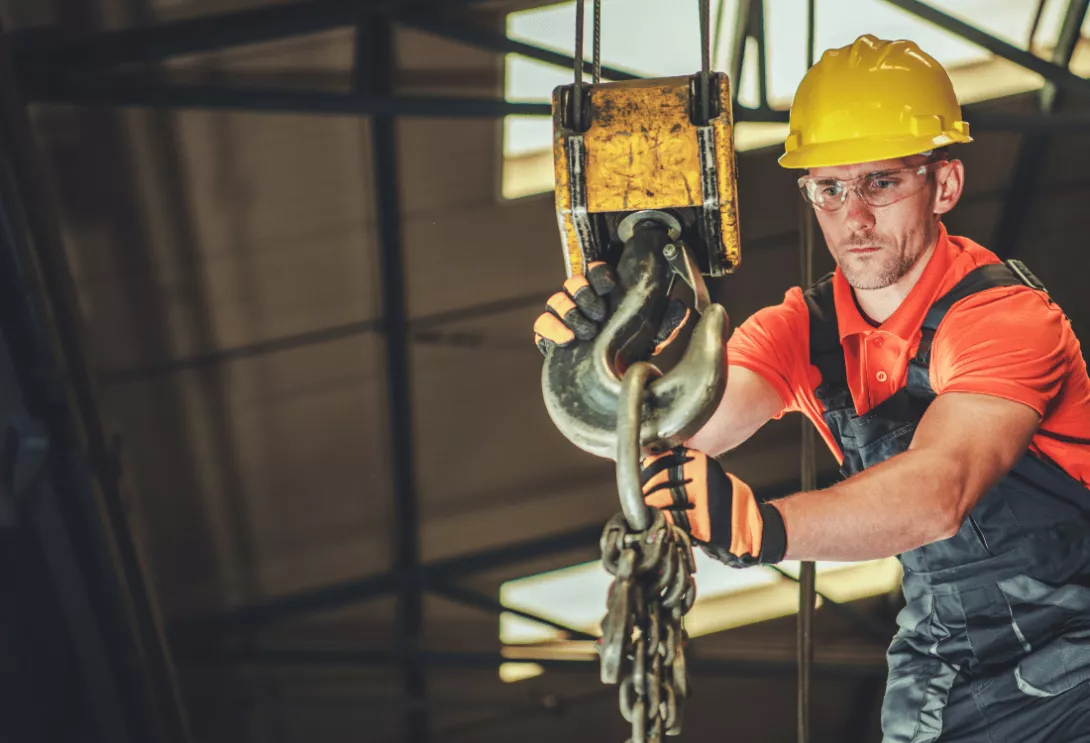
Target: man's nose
{"points": [[858, 214]]}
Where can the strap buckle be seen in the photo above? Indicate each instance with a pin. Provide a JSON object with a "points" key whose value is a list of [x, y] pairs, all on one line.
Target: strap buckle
{"points": [[1024, 275]]}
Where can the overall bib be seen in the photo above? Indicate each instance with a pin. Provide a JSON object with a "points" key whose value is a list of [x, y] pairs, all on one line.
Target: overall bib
{"points": [[994, 642]]}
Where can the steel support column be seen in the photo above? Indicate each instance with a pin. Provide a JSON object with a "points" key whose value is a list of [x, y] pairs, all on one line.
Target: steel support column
{"points": [[1026, 173], [375, 61], [750, 24]]}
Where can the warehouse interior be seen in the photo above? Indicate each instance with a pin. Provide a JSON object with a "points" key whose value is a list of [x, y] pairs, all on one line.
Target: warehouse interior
{"points": [[277, 466]]}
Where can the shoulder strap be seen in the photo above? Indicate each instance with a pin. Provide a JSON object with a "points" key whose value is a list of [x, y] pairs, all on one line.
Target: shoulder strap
{"points": [[1010, 273], [825, 351], [827, 355]]}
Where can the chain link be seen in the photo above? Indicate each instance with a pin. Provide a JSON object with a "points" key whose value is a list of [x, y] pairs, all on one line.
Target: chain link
{"points": [[643, 637]]}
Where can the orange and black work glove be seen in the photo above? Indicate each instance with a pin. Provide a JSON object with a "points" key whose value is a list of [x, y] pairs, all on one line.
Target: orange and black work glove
{"points": [[578, 312], [716, 508]]}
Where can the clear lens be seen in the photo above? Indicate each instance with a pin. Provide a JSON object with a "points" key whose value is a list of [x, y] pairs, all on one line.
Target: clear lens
{"points": [[881, 188]]}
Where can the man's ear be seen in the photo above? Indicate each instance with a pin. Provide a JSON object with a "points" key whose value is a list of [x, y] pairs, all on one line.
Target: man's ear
{"points": [[950, 179]]}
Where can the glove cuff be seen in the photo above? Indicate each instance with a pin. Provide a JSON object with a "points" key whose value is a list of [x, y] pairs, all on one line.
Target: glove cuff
{"points": [[773, 536]]}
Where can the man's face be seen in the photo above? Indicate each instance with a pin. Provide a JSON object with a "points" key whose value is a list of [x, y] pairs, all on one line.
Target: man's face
{"points": [[876, 246]]}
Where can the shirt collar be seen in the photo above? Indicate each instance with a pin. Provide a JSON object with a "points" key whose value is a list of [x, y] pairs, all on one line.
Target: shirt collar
{"points": [[907, 319]]}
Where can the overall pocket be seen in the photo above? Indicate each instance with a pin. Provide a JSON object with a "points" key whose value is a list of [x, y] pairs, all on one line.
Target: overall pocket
{"points": [[1054, 623], [887, 445]]}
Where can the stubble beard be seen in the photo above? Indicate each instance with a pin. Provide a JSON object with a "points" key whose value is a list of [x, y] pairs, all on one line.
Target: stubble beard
{"points": [[883, 268]]}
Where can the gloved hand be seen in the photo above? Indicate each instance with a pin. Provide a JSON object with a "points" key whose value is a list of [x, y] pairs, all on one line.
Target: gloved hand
{"points": [[716, 508], [578, 312]]}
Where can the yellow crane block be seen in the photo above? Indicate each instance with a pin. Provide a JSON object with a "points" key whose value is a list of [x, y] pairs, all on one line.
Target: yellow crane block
{"points": [[641, 148]]}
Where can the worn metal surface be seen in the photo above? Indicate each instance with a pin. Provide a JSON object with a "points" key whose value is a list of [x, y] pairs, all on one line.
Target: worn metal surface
{"points": [[642, 151], [730, 237], [639, 145]]}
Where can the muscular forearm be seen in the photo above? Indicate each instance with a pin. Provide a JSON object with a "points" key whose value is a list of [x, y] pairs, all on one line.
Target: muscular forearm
{"points": [[910, 500]]}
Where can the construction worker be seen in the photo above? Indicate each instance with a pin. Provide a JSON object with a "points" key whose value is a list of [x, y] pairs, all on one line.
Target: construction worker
{"points": [[951, 389]]}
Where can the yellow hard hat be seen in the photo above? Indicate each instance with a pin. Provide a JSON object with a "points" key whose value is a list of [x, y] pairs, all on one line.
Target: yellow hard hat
{"points": [[872, 100]]}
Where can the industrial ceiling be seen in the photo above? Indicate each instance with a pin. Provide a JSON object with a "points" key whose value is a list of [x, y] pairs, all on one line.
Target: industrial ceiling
{"points": [[281, 315]]}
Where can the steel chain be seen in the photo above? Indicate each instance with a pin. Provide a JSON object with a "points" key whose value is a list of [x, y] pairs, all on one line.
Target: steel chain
{"points": [[643, 636]]}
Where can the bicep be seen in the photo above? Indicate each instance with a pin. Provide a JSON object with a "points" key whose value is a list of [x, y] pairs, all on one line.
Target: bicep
{"points": [[749, 402], [975, 438]]}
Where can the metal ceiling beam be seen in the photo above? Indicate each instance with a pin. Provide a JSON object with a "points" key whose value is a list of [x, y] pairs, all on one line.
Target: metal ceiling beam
{"points": [[501, 44], [339, 595], [1059, 75], [41, 55], [336, 596], [489, 604], [420, 330], [531, 549], [52, 47], [129, 90], [1029, 165], [849, 664], [326, 598]]}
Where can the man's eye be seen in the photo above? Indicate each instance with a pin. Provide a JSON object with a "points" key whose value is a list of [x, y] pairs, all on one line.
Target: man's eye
{"points": [[882, 184], [830, 189]]}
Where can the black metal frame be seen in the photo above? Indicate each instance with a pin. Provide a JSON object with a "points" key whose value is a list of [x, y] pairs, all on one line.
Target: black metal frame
{"points": [[1029, 165], [60, 481], [53, 67]]}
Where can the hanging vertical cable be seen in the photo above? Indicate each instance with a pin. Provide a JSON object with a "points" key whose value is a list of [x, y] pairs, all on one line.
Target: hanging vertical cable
{"points": [[597, 41], [808, 465], [811, 38], [705, 60], [577, 88], [807, 573]]}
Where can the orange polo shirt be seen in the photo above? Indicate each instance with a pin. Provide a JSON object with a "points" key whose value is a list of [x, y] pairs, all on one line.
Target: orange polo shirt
{"points": [[1011, 342]]}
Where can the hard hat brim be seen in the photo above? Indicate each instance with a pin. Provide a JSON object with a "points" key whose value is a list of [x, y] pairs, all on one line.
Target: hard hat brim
{"points": [[854, 151]]}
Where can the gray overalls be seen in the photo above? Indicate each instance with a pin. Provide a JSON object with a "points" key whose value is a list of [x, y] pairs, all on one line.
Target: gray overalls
{"points": [[994, 642]]}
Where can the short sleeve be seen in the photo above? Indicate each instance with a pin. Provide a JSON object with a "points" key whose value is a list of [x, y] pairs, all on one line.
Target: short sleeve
{"points": [[1010, 343], [774, 342]]}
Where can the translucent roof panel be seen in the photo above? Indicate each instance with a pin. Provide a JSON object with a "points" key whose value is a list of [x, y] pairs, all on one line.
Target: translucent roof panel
{"points": [[575, 596], [785, 29]]}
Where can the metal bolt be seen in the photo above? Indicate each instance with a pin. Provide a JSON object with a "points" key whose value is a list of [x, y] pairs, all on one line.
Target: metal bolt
{"points": [[669, 252]]}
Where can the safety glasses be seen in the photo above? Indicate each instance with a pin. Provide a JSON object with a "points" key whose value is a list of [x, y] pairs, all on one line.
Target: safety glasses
{"points": [[880, 188]]}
